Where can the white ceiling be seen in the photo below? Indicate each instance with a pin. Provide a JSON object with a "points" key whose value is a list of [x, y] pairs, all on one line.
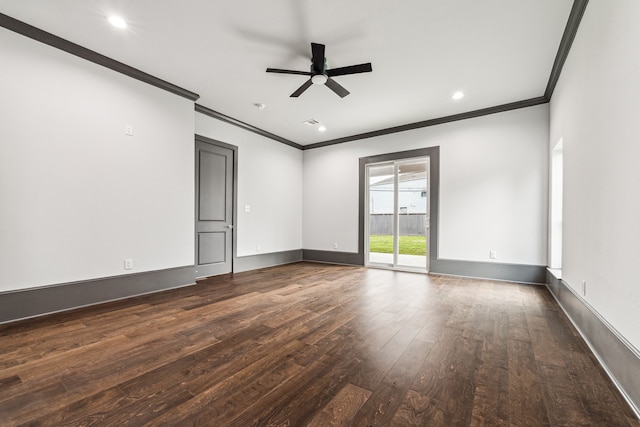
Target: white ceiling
{"points": [[496, 51]]}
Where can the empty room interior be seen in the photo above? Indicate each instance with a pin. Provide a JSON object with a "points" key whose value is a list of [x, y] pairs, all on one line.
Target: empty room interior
{"points": [[349, 213]]}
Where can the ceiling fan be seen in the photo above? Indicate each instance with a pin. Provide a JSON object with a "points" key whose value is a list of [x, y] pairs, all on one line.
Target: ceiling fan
{"points": [[320, 75]]}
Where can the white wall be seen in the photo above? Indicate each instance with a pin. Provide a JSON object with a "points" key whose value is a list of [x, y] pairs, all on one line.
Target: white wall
{"points": [[269, 181], [77, 195], [493, 187], [594, 110]]}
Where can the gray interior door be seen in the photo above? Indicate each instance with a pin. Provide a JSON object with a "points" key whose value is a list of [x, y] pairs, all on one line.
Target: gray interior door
{"points": [[214, 209]]}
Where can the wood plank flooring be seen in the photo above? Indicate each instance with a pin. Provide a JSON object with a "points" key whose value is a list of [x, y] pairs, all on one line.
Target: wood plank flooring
{"points": [[310, 345]]}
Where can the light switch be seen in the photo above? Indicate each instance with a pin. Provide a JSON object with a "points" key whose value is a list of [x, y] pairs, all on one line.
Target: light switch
{"points": [[128, 130], [247, 208]]}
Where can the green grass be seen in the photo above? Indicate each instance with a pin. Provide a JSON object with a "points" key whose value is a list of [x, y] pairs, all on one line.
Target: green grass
{"points": [[409, 245]]}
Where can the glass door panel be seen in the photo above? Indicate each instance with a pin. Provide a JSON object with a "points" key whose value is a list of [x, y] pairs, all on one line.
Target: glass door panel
{"points": [[381, 182], [412, 214]]}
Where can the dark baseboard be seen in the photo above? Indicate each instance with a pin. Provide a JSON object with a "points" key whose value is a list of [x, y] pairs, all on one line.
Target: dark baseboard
{"points": [[27, 303], [523, 273], [254, 262], [618, 357], [485, 270], [33, 302], [333, 257]]}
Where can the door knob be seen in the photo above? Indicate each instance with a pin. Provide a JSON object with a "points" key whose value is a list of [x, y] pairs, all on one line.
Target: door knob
{"points": [[229, 226]]}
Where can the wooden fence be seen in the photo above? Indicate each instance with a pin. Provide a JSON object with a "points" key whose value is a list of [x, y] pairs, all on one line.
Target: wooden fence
{"points": [[410, 224]]}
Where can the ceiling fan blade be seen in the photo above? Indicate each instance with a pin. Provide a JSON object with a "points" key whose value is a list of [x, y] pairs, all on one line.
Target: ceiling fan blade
{"points": [[278, 70], [334, 86], [317, 51], [352, 69], [301, 89]]}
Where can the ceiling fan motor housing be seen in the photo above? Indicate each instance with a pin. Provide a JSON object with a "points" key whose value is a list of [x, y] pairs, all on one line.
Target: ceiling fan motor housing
{"points": [[319, 79]]}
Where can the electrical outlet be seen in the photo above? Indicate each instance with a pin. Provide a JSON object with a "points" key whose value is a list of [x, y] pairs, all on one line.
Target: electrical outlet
{"points": [[128, 263], [492, 255], [128, 130], [584, 288], [258, 248], [335, 246], [247, 208]]}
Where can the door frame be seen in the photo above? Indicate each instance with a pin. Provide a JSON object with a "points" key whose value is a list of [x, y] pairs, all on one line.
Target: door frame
{"points": [[234, 198], [434, 186]]}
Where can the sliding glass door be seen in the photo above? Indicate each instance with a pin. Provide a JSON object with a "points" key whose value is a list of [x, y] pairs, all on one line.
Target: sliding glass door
{"points": [[398, 214]]}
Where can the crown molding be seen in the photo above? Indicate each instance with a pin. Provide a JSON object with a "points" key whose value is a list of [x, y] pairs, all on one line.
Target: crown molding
{"points": [[227, 119], [573, 22], [570, 31], [575, 16], [433, 122], [52, 40]]}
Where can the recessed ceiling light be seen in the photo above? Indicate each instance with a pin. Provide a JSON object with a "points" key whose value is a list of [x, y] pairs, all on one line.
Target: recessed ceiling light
{"points": [[322, 129], [457, 95], [117, 22]]}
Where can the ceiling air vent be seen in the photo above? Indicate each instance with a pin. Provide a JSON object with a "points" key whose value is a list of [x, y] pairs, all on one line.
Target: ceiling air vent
{"points": [[311, 122]]}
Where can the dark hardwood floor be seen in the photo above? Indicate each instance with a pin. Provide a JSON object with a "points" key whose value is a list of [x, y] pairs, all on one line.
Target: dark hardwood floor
{"points": [[310, 344]]}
